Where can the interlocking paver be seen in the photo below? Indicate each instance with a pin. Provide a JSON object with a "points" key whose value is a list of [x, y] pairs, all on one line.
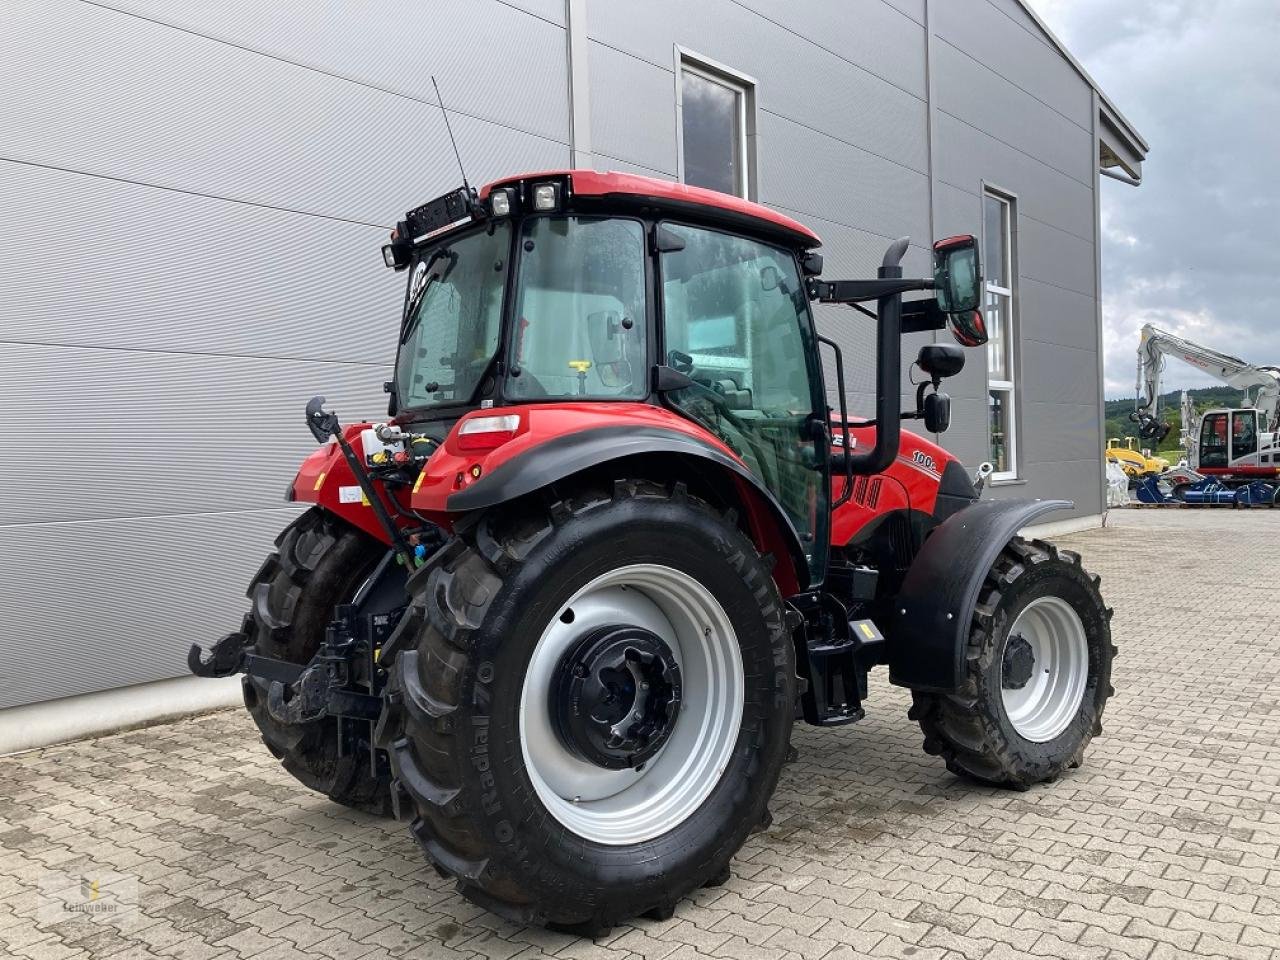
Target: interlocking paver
{"points": [[1163, 845]]}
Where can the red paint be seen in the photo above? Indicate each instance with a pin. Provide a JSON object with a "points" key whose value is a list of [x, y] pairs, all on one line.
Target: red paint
{"points": [[451, 467], [1240, 471], [592, 183], [309, 487], [910, 482]]}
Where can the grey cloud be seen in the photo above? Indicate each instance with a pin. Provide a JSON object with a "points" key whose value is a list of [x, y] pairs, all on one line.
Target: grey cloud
{"points": [[1195, 248]]}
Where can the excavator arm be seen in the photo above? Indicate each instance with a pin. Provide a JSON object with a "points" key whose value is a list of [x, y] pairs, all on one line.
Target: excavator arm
{"points": [[1157, 344]]}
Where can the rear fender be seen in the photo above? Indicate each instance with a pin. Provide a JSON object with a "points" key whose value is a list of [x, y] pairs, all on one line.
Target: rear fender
{"points": [[325, 479], [933, 610], [554, 448]]}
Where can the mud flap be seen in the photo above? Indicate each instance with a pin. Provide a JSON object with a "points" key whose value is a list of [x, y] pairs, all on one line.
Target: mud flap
{"points": [[932, 612]]}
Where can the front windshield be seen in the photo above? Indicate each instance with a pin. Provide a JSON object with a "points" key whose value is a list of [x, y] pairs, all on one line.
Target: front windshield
{"points": [[453, 318]]}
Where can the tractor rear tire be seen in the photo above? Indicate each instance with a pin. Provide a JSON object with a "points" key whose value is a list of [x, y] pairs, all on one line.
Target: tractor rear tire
{"points": [[481, 728], [1037, 673], [320, 562]]}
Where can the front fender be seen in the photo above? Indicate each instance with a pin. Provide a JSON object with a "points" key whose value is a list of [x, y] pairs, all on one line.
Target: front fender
{"points": [[932, 612]]}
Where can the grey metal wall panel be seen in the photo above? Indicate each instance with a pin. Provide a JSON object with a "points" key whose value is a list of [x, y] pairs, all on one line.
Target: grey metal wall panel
{"points": [[809, 172], [118, 602], [400, 44], [143, 101], [911, 8], [1054, 256], [165, 271], [1078, 480], [967, 157], [633, 109], [1054, 374], [970, 92], [1006, 48], [150, 434], [1015, 11], [1057, 315], [796, 78], [869, 33], [1063, 431]]}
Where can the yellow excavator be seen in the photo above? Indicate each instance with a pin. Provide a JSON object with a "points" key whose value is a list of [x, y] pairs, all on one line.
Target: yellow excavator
{"points": [[1135, 463]]}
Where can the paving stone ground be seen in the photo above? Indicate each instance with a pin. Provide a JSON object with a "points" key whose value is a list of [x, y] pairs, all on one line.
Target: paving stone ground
{"points": [[1164, 844]]}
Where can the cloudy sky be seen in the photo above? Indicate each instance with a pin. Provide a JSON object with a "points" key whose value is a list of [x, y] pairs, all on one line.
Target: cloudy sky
{"points": [[1196, 248]]}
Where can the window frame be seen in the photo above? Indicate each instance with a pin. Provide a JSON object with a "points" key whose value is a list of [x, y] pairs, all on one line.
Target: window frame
{"points": [[1008, 384], [745, 87], [512, 306]]}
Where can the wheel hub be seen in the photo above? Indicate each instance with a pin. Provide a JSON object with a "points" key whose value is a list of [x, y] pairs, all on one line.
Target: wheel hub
{"points": [[1019, 662], [615, 697]]}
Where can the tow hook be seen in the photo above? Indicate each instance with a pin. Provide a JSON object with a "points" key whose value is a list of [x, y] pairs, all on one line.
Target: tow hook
{"points": [[225, 657]]}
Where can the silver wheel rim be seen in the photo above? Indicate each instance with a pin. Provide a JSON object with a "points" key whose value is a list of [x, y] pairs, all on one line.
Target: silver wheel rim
{"points": [[631, 806], [1048, 702]]}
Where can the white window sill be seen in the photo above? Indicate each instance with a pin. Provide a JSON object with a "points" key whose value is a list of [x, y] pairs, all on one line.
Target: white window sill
{"points": [[1005, 482]]}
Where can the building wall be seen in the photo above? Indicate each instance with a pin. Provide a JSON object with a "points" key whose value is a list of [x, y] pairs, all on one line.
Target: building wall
{"points": [[194, 196]]}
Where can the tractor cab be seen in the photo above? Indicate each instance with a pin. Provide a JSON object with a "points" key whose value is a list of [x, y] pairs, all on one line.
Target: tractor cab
{"points": [[585, 288], [1235, 445]]}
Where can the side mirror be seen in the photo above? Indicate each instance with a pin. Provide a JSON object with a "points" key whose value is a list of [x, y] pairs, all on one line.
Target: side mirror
{"points": [[957, 275], [937, 412], [957, 279], [940, 360]]}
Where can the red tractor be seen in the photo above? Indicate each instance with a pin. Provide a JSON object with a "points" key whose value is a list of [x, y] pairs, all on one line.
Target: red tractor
{"points": [[561, 610]]}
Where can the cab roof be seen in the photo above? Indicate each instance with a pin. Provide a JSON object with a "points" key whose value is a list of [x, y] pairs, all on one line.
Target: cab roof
{"points": [[677, 197]]}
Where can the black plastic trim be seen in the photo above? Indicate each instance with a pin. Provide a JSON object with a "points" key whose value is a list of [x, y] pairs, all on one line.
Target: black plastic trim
{"points": [[931, 612], [574, 452]]}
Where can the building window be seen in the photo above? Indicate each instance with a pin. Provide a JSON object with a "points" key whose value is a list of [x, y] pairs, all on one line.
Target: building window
{"points": [[997, 263], [715, 120]]}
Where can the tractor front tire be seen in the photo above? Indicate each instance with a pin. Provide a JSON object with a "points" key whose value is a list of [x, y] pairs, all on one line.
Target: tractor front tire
{"points": [[1037, 673], [534, 770], [320, 562]]}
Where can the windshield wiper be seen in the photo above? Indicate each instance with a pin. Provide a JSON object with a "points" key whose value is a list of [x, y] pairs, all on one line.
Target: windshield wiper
{"points": [[411, 323]]}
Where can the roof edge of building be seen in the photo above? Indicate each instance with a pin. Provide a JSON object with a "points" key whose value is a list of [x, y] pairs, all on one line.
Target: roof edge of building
{"points": [[1125, 126]]}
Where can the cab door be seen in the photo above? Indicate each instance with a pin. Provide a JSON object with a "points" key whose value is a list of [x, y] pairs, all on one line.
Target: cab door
{"points": [[1212, 451], [735, 320], [1244, 438]]}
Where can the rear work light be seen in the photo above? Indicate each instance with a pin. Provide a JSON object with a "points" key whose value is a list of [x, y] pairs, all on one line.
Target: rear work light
{"points": [[487, 433], [500, 202], [546, 197]]}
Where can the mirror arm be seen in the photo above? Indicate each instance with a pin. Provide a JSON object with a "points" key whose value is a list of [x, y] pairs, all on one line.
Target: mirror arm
{"points": [[856, 291], [890, 287]]}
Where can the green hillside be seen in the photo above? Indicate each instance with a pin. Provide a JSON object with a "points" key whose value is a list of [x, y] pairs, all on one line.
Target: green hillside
{"points": [[1205, 398]]}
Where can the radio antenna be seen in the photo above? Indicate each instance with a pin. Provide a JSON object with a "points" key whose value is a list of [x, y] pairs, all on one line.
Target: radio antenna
{"points": [[448, 128]]}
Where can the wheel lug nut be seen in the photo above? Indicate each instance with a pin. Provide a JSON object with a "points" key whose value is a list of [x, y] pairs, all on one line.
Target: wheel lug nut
{"points": [[580, 671]]}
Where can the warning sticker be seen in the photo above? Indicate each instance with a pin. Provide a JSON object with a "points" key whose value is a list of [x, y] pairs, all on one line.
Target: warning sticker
{"points": [[350, 495]]}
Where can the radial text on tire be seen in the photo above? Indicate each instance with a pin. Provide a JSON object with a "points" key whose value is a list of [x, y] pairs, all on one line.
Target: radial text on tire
{"points": [[590, 704]]}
